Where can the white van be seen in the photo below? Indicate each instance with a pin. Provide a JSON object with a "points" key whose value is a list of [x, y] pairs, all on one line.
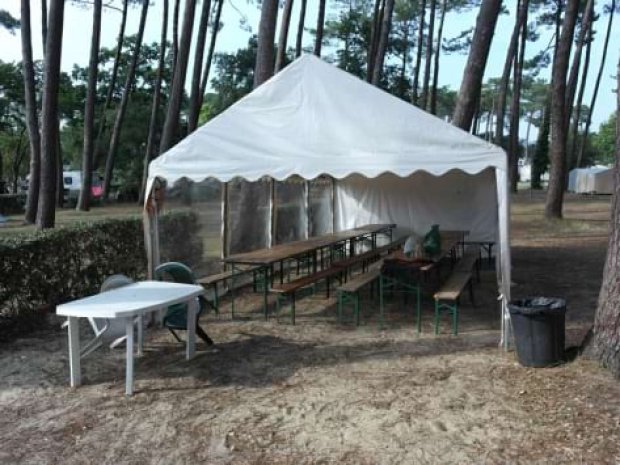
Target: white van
{"points": [[72, 183]]}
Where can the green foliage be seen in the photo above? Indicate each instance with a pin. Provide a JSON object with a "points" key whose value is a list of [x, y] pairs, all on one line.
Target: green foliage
{"points": [[49, 267], [604, 141], [8, 22], [233, 78]]}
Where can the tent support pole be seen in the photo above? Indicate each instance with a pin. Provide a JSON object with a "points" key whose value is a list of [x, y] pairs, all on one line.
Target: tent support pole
{"points": [[333, 204], [272, 212], [224, 233], [307, 206]]}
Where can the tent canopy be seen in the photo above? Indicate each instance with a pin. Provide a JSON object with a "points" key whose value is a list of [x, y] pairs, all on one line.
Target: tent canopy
{"points": [[392, 161], [595, 179], [313, 118]]}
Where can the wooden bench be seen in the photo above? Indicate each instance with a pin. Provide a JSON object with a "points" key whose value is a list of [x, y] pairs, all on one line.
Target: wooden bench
{"points": [[483, 245], [289, 289], [447, 297], [470, 261], [212, 281], [349, 292]]}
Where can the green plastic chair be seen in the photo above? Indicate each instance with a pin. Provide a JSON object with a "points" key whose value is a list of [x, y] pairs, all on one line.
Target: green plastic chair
{"points": [[175, 318]]}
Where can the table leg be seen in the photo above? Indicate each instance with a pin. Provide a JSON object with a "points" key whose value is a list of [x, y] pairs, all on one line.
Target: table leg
{"points": [[265, 290], [192, 310], [232, 293], [129, 356], [140, 323], [74, 352]]}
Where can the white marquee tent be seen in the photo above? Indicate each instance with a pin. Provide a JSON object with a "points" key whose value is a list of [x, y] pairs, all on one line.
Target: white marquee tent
{"points": [[592, 180], [390, 161]]}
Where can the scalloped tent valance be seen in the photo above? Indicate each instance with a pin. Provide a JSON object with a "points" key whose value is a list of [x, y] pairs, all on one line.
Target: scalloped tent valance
{"points": [[313, 118]]}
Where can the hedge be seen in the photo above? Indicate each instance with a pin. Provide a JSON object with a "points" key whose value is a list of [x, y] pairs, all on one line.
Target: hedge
{"points": [[46, 268]]}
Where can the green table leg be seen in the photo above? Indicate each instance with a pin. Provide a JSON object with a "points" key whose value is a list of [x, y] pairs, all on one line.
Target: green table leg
{"points": [[232, 293], [381, 302], [265, 289]]}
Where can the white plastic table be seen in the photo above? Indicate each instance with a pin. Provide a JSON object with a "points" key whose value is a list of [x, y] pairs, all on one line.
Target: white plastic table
{"points": [[129, 302]]}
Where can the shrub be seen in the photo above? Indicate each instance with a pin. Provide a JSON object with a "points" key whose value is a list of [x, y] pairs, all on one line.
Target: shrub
{"points": [[49, 267]]}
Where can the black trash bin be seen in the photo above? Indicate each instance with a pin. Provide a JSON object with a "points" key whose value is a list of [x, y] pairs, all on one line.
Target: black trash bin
{"points": [[538, 324]]}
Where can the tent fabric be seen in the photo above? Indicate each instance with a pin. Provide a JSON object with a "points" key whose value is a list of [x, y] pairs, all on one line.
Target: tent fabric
{"points": [[596, 179], [455, 200], [312, 119]]}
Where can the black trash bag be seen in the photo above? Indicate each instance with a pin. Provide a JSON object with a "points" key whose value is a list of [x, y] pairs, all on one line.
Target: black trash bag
{"points": [[539, 325]]}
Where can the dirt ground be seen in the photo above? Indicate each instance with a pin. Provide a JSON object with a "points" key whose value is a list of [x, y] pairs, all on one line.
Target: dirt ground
{"points": [[323, 393]]}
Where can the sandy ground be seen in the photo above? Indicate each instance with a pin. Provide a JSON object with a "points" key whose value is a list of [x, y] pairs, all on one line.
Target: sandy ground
{"points": [[322, 393]]}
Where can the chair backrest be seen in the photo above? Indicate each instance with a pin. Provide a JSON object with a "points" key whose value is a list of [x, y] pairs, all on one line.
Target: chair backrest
{"points": [[114, 282], [113, 328], [177, 271]]}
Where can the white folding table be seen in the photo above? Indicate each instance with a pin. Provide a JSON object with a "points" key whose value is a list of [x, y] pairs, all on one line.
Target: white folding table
{"points": [[129, 302]]}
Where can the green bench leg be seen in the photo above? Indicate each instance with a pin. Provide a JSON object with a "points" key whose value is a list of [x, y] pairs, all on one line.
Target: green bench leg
{"points": [[453, 309], [418, 310]]}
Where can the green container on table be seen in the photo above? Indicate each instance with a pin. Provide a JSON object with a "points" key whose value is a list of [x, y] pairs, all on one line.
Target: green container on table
{"points": [[432, 242]]}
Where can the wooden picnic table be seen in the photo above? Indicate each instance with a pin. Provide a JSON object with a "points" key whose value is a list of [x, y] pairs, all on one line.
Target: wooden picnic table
{"points": [[266, 258], [280, 252]]}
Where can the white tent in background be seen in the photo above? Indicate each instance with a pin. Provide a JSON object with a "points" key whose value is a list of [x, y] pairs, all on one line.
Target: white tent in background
{"points": [[592, 180], [390, 162]]}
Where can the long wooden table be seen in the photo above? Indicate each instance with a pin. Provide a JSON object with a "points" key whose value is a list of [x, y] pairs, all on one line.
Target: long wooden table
{"points": [[266, 258]]}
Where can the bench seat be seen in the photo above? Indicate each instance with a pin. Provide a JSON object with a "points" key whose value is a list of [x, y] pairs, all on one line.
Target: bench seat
{"points": [[447, 297]]}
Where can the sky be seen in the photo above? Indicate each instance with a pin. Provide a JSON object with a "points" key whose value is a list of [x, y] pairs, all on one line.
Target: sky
{"points": [[240, 18]]}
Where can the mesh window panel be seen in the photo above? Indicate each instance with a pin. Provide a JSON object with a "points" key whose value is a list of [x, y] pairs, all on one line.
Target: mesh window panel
{"points": [[190, 225], [291, 216], [320, 206], [248, 215]]}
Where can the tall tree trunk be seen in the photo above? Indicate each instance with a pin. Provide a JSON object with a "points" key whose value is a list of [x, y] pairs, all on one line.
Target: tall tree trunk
{"points": [[476, 63], [194, 101], [542, 146], [300, 28], [112, 88], [597, 84], [214, 33], [150, 141], [89, 111], [582, 87], [573, 75], [604, 340], [178, 80], [44, 23], [386, 25], [402, 85], [522, 6], [515, 112], [175, 33], [46, 209], [32, 120], [418, 58], [558, 25], [60, 198], [429, 55], [557, 152], [374, 35], [120, 114], [433, 103], [283, 38], [320, 24], [266, 35]]}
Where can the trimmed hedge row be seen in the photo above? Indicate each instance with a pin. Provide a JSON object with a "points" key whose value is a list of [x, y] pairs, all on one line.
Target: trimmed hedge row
{"points": [[53, 266]]}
